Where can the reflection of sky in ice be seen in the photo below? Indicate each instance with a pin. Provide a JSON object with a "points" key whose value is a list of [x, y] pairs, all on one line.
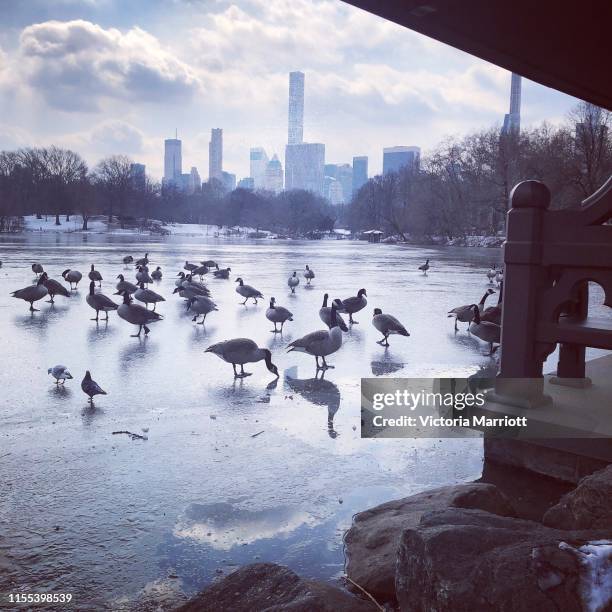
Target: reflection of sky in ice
{"points": [[122, 507]]}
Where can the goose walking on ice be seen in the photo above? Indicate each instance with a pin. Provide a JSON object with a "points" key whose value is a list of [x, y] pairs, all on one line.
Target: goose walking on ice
{"points": [[293, 281], [223, 273], [37, 269], [147, 296], [99, 302], [321, 343], [352, 305], [387, 324], [143, 261], [424, 268], [308, 275], [189, 266], [156, 274], [73, 277], [95, 276], [124, 285], [33, 293], [60, 373], [465, 313], [137, 315], [200, 271], [90, 387], [278, 314], [240, 351], [201, 305], [128, 259], [55, 288], [492, 273], [246, 291], [485, 330], [325, 315]]}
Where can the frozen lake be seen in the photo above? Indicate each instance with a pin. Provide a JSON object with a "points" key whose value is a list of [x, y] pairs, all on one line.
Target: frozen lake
{"points": [[103, 517]]}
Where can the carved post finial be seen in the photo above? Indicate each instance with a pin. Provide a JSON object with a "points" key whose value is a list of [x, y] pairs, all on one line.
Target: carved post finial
{"points": [[530, 194]]}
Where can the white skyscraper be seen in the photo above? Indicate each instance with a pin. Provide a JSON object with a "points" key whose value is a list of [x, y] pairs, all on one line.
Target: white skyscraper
{"points": [[296, 108], [274, 175], [173, 162], [259, 163], [215, 154]]}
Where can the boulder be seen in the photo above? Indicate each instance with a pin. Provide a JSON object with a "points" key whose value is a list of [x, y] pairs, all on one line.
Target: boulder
{"points": [[373, 539], [267, 587], [587, 506], [462, 560]]}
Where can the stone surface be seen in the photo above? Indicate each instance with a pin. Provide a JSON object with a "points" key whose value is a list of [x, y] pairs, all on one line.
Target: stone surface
{"points": [[588, 506], [267, 587], [464, 560], [373, 539]]}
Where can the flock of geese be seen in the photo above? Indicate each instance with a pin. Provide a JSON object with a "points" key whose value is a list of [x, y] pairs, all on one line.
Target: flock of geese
{"points": [[484, 323]]}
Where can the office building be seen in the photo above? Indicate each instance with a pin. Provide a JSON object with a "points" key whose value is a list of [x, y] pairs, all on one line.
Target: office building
{"points": [[512, 120], [173, 162], [395, 158], [304, 167], [274, 175], [246, 183], [360, 172], [332, 190], [296, 108], [228, 180], [259, 163], [215, 154], [138, 176]]}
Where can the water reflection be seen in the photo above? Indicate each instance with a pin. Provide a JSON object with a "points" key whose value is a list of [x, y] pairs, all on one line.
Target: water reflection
{"points": [[141, 347], [387, 364], [100, 330]]}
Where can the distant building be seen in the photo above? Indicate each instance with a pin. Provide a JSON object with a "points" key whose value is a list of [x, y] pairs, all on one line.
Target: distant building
{"points": [[343, 174], [215, 154], [138, 176], [173, 161], [296, 108], [274, 175], [304, 167], [259, 163], [360, 172], [333, 190], [246, 183], [512, 120], [228, 180], [395, 158]]}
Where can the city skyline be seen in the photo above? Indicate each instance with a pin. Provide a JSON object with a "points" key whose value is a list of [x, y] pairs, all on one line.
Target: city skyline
{"points": [[102, 78]]}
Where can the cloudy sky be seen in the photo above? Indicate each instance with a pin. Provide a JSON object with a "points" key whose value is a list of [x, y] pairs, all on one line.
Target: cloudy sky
{"points": [[117, 76]]}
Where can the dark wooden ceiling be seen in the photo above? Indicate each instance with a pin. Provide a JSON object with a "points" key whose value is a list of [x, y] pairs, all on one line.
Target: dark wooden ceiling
{"points": [[565, 44]]}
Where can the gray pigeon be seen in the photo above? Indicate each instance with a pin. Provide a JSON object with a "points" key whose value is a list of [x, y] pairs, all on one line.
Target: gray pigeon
{"points": [[91, 387]]}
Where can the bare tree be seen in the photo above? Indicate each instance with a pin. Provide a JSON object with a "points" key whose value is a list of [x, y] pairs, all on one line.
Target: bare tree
{"points": [[113, 176]]}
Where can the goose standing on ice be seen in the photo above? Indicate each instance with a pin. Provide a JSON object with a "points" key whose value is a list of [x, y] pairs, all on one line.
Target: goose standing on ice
{"points": [[325, 315], [95, 276], [200, 288], [424, 268], [485, 330], [128, 259], [99, 302], [492, 273], [124, 285], [240, 351], [73, 277], [246, 291], [209, 263], [156, 274], [499, 277], [200, 271], [201, 305], [278, 314], [33, 293], [143, 261], [37, 269], [137, 315], [90, 387], [387, 324], [352, 305], [147, 296], [308, 275], [142, 276], [493, 314], [189, 266], [55, 288], [224, 273], [60, 373], [465, 313], [321, 343], [293, 281]]}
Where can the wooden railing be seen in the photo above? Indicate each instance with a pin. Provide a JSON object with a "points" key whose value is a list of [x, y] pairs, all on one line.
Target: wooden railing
{"points": [[550, 257]]}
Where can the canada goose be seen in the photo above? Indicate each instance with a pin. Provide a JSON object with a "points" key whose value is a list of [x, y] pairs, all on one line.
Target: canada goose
{"points": [[60, 373], [246, 291], [325, 315], [137, 315], [147, 296], [199, 271], [143, 261], [99, 301], [491, 273], [124, 285], [73, 277], [209, 263], [240, 351], [485, 330], [278, 314], [37, 269], [32, 293], [179, 281], [55, 288], [424, 267], [386, 325], [142, 276], [493, 314], [201, 305], [499, 277], [223, 273], [90, 387], [156, 274], [308, 275], [189, 266], [465, 314], [200, 288], [353, 304], [128, 259], [94, 275], [320, 343], [293, 281]]}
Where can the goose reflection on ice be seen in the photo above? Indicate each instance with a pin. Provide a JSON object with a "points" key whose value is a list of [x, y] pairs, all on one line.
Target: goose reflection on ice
{"points": [[386, 364], [317, 391]]}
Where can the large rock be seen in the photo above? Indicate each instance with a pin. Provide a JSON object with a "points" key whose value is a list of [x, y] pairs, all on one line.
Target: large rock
{"points": [[463, 560], [266, 587], [373, 539], [587, 506]]}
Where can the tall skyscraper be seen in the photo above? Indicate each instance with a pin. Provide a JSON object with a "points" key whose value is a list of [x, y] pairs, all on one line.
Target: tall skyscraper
{"points": [[258, 163], [304, 167], [296, 108], [512, 120], [215, 154], [173, 161], [395, 158], [360, 172], [274, 175], [229, 181]]}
